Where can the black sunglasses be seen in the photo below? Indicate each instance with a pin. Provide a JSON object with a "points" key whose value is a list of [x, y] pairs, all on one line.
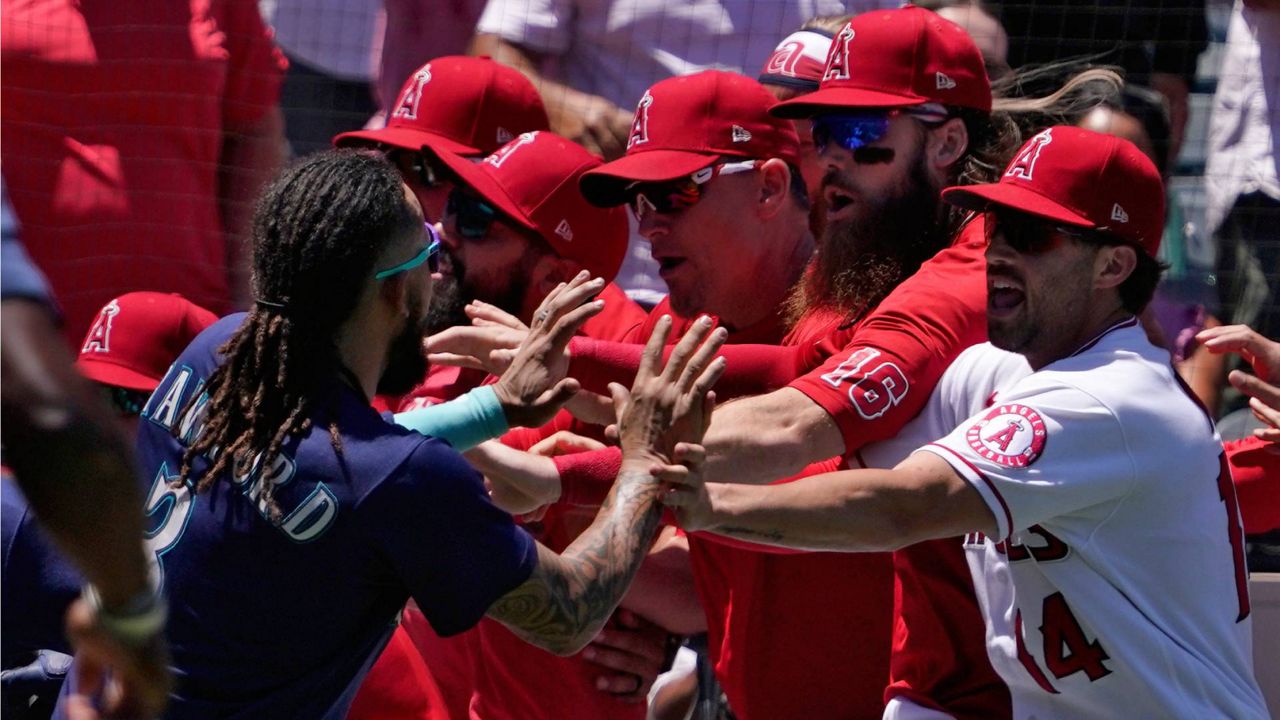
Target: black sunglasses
{"points": [[1027, 234], [126, 401], [413, 164], [471, 215]]}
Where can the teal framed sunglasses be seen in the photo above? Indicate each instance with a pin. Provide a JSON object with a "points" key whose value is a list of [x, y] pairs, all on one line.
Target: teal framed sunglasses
{"points": [[429, 255]]}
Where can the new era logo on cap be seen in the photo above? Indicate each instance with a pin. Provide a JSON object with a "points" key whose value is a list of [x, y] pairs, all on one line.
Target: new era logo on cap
{"points": [[564, 231], [741, 134], [503, 135], [943, 81], [1118, 214]]}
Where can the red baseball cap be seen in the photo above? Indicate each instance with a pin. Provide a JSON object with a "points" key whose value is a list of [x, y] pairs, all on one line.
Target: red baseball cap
{"points": [[137, 336], [533, 180], [465, 105], [686, 123], [1080, 178], [897, 58]]}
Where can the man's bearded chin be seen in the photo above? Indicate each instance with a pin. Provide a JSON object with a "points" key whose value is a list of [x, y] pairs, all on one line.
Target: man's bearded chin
{"points": [[453, 293], [447, 300], [406, 359], [860, 261]]}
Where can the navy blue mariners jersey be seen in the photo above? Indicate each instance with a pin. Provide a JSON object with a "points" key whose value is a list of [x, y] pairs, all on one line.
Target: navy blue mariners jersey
{"points": [[37, 583], [282, 619]]}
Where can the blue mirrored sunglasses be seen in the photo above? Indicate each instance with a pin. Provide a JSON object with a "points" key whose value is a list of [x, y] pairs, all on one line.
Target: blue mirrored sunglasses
{"points": [[429, 255], [849, 131], [855, 131]]}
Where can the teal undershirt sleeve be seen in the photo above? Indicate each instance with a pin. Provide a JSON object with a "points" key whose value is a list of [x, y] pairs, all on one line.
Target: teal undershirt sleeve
{"points": [[463, 422]]}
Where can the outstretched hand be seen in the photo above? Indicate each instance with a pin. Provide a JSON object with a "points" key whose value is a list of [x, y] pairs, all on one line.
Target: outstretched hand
{"points": [[534, 387], [489, 343], [672, 403], [1263, 356]]}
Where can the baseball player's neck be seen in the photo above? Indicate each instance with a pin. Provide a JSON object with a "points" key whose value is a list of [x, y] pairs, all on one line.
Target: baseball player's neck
{"points": [[1086, 333], [362, 351], [794, 246]]}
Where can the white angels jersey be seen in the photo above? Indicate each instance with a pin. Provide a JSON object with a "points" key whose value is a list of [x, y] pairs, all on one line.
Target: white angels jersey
{"points": [[1117, 585]]}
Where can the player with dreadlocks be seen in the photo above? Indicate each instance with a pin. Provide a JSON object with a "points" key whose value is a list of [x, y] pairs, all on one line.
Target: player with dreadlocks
{"points": [[287, 550]]}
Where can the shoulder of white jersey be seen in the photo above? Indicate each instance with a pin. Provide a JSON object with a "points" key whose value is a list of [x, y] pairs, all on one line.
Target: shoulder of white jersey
{"points": [[983, 367]]}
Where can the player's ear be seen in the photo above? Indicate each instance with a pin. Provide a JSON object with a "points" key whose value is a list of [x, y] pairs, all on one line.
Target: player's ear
{"points": [[775, 186], [1114, 265], [946, 144], [394, 292], [549, 271]]}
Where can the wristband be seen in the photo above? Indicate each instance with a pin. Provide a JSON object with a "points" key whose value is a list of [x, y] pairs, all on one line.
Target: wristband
{"points": [[463, 422], [137, 623]]}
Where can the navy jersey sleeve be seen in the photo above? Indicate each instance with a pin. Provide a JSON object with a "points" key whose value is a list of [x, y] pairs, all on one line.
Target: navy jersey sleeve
{"points": [[37, 583], [455, 551], [19, 277]]}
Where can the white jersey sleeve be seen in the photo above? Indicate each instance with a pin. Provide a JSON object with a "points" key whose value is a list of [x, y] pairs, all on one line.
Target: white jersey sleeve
{"points": [[1044, 449], [544, 26]]}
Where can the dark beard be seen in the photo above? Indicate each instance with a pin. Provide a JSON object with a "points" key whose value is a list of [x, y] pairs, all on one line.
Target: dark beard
{"points": [[406, 360], [452, 293], [860, 262]]}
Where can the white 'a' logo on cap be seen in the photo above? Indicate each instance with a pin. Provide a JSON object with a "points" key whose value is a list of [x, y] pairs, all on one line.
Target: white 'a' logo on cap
{"points": [[564, 231], [838, 59], [944, 81], [99, 338], [741, 134], [407, 108], [784, 59], [640, 124], [1024, 165], [500, 155], [1118, 214]]}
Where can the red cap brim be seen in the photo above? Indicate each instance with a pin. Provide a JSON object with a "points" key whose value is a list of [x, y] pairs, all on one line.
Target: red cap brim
{"points": [[405, 138], [606, 185], [829, 99], [471, 174], [1015, 197], [109, 373]]}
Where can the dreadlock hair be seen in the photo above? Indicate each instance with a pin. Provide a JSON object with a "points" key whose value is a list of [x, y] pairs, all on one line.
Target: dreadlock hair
{"points": [[318, 230]]}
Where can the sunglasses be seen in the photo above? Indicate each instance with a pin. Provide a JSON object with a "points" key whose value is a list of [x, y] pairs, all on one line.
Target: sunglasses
{"points": [[413, 164], [471, 215], [680, 194], [856, 131], [1027, 234], [430, 254], [126, 401]]}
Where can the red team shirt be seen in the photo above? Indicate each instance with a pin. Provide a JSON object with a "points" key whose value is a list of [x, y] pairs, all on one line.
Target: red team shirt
{"points": [[766, 609], [113, 121], [871, 390]]}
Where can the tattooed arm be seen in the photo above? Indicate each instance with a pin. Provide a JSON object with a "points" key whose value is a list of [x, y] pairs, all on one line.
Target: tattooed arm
{"points": [[568, 598]]}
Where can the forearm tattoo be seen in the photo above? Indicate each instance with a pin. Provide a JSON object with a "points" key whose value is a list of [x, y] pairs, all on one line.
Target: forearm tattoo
{"points": [[568, 598]]}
